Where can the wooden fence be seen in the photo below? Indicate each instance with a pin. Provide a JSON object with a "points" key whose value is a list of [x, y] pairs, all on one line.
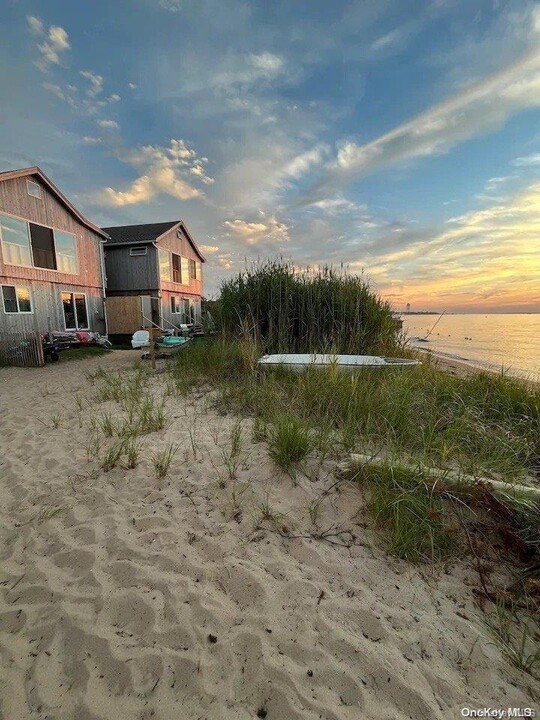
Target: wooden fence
{"points": [[21, 348]]}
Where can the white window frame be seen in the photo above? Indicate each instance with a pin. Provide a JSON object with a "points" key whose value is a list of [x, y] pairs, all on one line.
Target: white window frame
{"points": [[16, 287], [50, 227], [137, 253], [73, 293], [33, 184]]}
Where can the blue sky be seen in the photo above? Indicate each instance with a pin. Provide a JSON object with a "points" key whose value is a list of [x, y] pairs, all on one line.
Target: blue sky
{"points": [[398, 138]]}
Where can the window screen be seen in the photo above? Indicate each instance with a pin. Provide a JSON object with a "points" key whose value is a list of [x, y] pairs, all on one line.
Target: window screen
{"points": [[42, 241]]}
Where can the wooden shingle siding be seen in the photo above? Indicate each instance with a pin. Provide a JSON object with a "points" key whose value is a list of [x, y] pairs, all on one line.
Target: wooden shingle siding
{"points": [[48, 211]]}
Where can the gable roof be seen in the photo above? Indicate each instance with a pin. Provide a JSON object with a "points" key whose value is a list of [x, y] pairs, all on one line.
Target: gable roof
{"points": [[37, 172], [130, 234], [147, 233]]}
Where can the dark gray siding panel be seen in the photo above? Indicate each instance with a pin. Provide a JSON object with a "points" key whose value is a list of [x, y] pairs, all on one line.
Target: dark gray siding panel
{"points": [[127, 273]]}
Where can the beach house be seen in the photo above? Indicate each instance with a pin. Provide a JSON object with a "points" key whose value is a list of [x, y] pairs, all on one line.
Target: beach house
{"points": [[51, 259], [154, 277]]}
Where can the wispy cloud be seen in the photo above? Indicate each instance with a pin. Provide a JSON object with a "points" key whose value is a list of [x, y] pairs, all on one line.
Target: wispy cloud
{"points": [[266, 228], [173, 6], [527, 161], [476, 110], [164, 171], [55, 43], [108, 124], [95, 80]]}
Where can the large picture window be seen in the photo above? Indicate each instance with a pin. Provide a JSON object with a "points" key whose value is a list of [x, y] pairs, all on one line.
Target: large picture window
{"points": [[66, 252], [33, 245], [16, 299], [75, 311], [15, 241], [164, 265]]}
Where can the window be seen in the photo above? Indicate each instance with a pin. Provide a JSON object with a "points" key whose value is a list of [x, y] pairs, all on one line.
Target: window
{"points": [[179, 234], [164, 265], [135, 251], [192, 271], [185, 271], [198, 270], [180, 306], [15, 241], [30, 244], [16, 299], [176, 268], [33, 189], [42, 241], [66, 253], [75, 311]]}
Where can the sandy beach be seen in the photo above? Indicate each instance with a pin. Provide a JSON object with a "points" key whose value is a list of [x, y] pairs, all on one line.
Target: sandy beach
{"points": [[203, 597]]}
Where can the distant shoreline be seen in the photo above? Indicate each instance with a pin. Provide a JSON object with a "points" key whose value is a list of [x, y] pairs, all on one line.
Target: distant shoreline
{"points": [[463, 367], [472, 312]]}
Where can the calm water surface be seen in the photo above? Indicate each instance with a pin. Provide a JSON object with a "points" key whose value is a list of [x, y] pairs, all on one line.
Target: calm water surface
{"points": [[492, 341]]}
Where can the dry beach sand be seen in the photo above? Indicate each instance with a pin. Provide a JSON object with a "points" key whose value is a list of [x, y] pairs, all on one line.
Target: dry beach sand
{"points": [[122, 597]]}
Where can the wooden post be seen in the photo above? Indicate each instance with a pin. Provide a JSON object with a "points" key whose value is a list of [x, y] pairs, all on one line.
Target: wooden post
{"points": [[38, 344], [152, 348]]}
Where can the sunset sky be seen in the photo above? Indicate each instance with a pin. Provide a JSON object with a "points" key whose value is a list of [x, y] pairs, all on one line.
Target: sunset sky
{"points": [[401, 139]]}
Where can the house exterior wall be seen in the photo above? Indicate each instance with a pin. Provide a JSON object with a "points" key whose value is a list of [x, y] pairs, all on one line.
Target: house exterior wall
{"points": [[46, 285], [131, 274], [190, 290], [176, 319], [180, 246]]}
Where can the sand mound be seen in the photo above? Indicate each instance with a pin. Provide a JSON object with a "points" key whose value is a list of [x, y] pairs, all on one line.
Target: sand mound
{"points": [[124, 597]]}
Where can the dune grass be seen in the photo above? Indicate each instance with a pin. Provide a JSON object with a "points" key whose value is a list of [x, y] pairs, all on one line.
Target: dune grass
{"points": [[305, 310], [411, 512], [289, 441]]}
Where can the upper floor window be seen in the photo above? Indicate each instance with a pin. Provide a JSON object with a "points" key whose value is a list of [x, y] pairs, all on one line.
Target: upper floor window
{"points": [[66, 252], [42, 242], [15, 241], [198, 270], [33, 245], [33, 189], [176, 268], [164, 264], [16, 299], [192, 270]]}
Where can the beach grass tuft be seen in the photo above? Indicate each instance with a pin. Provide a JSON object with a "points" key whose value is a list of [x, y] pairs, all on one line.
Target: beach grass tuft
{"points": [[289, 441]]}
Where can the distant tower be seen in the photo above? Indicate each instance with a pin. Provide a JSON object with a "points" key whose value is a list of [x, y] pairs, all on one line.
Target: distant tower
{"points": [[408, 307]]}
